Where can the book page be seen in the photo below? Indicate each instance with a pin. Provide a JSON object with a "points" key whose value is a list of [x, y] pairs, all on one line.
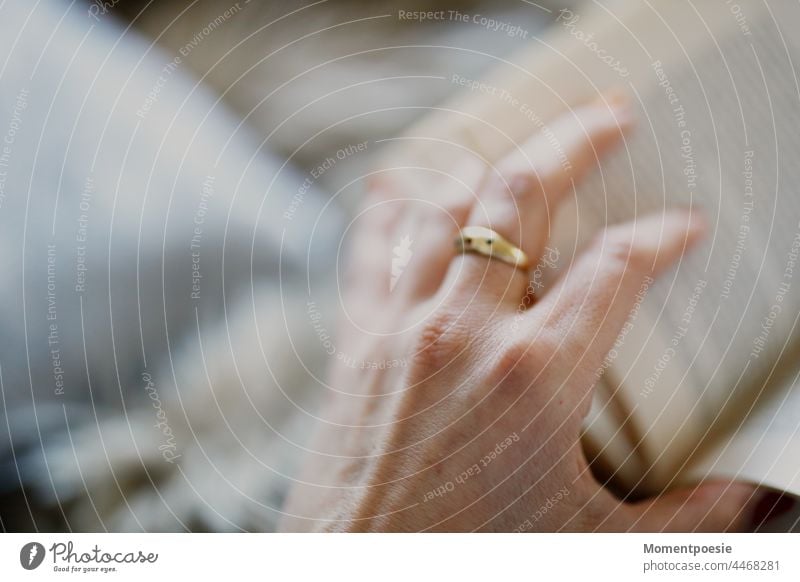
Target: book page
{"points": [[763, 443]]}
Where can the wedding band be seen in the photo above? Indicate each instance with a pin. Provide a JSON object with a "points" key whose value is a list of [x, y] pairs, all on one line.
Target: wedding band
{"points": [[485, 241]]}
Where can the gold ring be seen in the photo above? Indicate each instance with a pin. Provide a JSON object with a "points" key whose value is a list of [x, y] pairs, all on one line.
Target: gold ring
{"points": [[485, 241]]}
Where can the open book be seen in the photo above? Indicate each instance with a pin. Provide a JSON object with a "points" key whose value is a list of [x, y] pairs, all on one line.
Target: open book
{"points": [[702, 381]]}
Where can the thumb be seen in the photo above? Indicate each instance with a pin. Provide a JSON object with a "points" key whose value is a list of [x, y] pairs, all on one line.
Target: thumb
{"points": [[712, 506]]}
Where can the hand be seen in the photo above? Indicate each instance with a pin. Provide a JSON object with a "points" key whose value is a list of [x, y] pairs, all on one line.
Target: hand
{"points": [[457, 398]]}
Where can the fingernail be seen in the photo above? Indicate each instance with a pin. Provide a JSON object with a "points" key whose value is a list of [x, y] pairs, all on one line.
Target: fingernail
{"points": [[698, 223], [617, 97], [692, 218], [771, 505], [620, 103]]}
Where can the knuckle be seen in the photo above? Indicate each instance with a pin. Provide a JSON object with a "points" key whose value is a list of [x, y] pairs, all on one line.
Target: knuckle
{"points": [[521, 360], [511, 358], [620, 253], [444, 215], [524, 184], [517, 184], [438, 341], [457, 207], [557, 337]]}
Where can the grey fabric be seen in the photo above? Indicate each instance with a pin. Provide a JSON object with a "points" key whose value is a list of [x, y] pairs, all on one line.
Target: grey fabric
{"points": [[101, 194]]}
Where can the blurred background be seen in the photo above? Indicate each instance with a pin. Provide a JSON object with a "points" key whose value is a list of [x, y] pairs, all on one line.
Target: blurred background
{"points": [[168, 209]]}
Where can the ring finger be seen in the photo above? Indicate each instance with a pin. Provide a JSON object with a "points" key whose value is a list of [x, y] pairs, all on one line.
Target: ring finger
{"points": [[518, 200]]}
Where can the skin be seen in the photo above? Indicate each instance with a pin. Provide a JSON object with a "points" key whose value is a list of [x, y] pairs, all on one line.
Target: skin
{"points": [[487, 366]]}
